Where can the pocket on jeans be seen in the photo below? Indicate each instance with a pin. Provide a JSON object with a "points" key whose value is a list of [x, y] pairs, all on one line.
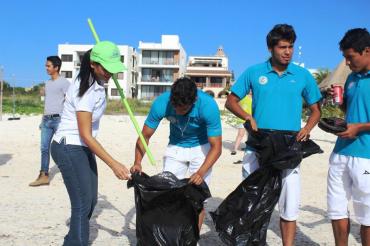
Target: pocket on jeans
{"points": [[73, 148]]}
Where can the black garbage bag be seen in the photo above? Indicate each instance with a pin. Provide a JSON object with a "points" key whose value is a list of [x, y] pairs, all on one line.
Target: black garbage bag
{"points": [[167, 209], [332, 125], [279, 149], [243, 217]]}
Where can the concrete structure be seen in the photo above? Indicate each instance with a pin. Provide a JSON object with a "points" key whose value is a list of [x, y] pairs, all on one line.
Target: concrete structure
{"points": [[71, 55], [160, 64], [210, 72]]}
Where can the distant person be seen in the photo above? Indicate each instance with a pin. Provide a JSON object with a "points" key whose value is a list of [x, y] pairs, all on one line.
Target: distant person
{"points": [[74, 144], [246, 104], [349, 164], [195, 132], [54, 93], [278, 86]]}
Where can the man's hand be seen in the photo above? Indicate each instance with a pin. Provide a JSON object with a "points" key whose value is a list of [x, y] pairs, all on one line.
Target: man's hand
{"points": [[351, 132], [136, 168], [253, 123], [303, 135], [196, 179]]}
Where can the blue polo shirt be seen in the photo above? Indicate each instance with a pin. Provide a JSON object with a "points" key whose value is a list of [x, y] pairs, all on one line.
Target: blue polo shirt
{"points": [[192, 129], [357, 98], [277, 99]]}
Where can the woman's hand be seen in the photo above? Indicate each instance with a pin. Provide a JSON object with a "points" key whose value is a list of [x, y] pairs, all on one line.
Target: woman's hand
{"points": [[121, 171]]}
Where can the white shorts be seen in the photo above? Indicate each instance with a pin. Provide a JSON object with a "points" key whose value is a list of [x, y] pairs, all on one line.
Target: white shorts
{"points": [[179, 160], [349, 177], [291, 186]]}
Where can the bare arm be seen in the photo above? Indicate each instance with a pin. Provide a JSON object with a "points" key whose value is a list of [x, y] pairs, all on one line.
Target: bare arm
{"points": [[232, 104], [84, 120], [314, 118], [212, 156], [354, 129], [139, 148]]}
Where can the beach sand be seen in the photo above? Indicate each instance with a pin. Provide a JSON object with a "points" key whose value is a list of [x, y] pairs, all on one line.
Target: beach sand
{"points": [[39, 216]]}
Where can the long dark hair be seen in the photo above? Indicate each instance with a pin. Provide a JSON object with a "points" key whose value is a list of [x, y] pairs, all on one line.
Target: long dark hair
{"points": [[84, 75]]}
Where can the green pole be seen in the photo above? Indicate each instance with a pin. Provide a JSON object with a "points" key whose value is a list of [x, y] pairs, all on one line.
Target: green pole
{"points": [[125, 103]]}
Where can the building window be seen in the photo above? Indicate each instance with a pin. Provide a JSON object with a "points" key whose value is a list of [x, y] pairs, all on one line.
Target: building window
{"points": [[114, 92], [123, 59], [157, 75], [152, 91], [67, 58], [158, 57], [120, 75], [66, 74]]}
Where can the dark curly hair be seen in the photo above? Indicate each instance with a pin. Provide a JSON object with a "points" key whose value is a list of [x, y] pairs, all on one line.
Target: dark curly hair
{"points": [[280, 32], [357, 39], [183, 92]]}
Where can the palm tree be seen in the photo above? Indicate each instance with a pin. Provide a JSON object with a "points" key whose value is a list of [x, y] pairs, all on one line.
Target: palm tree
{"points": [[321, 74]]}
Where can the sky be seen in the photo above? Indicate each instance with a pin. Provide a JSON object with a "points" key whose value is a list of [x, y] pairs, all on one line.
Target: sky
{"points": [[31, 30]]}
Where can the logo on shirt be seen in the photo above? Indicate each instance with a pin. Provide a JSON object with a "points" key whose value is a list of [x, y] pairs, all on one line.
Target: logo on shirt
{"points": [[263, 80], [366, 172], [292, 81], [351, 84]]}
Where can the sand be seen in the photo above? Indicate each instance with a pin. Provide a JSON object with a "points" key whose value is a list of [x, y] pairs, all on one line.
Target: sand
{"points": [[39, 216]]}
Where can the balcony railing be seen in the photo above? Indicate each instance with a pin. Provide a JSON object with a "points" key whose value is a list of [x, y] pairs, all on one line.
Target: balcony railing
{"points": [[157, 79], [158, 62], [216, 85]]}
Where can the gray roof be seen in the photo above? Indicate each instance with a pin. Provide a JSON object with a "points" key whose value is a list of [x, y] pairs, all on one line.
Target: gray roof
{"points": [[338, 76]]}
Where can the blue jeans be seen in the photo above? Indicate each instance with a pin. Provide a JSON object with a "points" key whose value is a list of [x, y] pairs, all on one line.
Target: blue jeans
{"points": [[48, 127], [79, 171]]}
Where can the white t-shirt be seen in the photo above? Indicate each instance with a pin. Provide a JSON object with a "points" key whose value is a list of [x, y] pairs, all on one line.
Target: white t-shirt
{"points": [[92, 101]]}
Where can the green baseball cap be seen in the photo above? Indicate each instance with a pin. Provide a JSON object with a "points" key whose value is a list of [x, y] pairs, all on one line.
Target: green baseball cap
{"points": [[107, 54]]}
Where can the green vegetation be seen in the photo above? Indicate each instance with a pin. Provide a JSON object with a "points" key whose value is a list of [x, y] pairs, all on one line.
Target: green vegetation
{"points": [[31, 104], [24, 104], [138, 107], [321, 74], [326, 111]]}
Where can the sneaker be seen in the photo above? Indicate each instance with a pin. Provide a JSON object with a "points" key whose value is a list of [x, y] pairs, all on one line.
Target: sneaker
{"points": [[43, 179]]}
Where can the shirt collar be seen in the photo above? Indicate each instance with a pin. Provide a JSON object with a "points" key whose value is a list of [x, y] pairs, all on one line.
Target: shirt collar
{"points": [[290, 68], [362, 75], [96, 85]]}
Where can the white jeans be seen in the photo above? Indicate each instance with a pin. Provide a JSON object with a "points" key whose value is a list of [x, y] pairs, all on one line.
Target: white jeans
{"points": [[179, 160], [349, 177], [291, 186]]}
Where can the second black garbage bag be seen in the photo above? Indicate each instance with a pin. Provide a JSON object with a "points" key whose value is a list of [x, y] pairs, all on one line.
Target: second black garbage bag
{"points": [[243, 217], [167, 209]]}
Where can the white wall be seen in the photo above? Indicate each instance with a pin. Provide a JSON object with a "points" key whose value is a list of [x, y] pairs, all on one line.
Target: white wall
{"points": [[128, 52]]}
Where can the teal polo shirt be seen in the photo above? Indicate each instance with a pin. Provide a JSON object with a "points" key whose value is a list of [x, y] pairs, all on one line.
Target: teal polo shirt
{"points": [[357, 99], [277, 99], [192, 129]]}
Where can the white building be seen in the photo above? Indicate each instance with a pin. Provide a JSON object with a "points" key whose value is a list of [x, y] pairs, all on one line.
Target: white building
{"points": [[160, 64], [71, 55], [211, 73]]}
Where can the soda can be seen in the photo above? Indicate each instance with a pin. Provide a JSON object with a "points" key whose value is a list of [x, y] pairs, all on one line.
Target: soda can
{"points": [[338, 94]]}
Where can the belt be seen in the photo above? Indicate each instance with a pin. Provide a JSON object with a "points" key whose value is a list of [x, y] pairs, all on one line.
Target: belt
{"points": [[52, 115]]}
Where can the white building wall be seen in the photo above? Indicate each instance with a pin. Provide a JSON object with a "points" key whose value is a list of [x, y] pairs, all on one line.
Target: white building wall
{"points": [[168, 43], [128, 80]]}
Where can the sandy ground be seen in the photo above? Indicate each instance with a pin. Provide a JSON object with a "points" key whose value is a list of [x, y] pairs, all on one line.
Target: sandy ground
{"points": [[39, 216]]}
